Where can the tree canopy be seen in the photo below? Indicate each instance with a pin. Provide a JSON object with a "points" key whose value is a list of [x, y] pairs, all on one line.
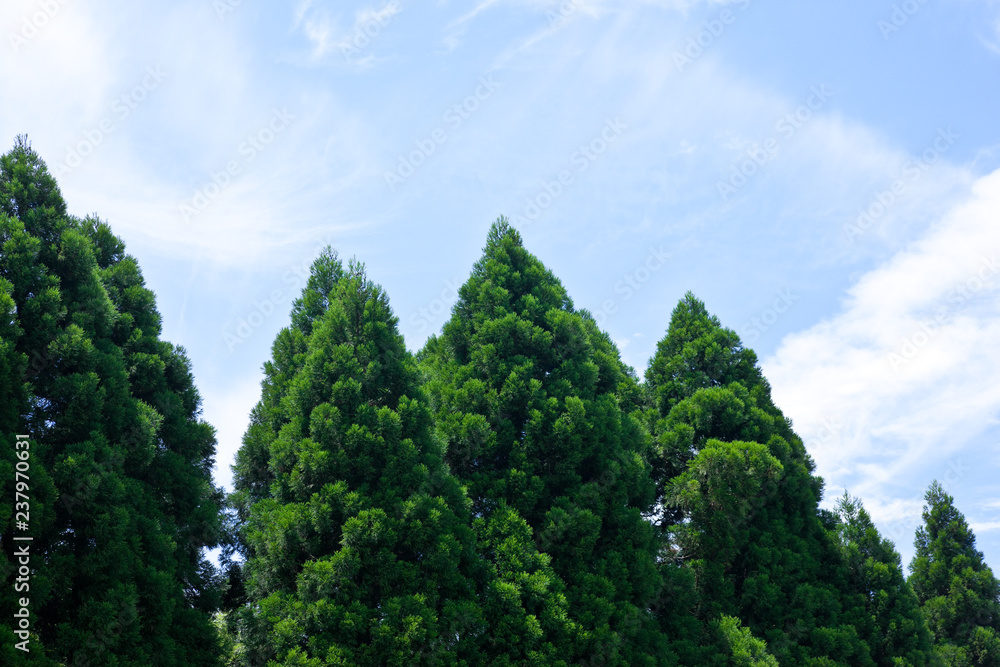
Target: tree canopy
{"points": [[358, 540], [511, 494], [534, 404], [739, 498], [121, 496]]}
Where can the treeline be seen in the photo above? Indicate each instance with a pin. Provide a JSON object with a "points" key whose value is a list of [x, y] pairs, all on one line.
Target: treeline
{"points": [[512, 494]]}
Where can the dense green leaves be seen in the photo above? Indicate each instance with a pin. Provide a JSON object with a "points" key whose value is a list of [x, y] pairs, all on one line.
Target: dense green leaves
{"points": [[745, 650], [358, 541], [739, 501], [893, 626], [122, 503], [529, 396], [512, 495], [959, 595]]}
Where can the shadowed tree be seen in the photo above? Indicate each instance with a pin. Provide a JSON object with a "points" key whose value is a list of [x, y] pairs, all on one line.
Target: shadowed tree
{"points": [[122, 503], [738, 500]]}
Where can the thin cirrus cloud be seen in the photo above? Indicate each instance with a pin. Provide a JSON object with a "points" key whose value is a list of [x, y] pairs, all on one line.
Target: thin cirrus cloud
{"points": [[322, 28]]}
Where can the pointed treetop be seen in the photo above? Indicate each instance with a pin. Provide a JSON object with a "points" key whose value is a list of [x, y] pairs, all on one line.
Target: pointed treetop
{"points": [[507, 280], [501, 231], [958, 591], [945, 526], [893, 626], [698, 352], [26, 185], [326, 270]]}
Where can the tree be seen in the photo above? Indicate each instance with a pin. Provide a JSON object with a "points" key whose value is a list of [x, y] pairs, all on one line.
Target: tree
{"points": [[535, 404], [895, 628], [121, 500], [957, 591], [738, 500], [357, 539]]}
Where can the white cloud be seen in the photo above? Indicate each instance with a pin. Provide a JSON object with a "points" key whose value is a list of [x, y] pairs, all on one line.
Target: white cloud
{"points": [[52, 71], [559, 13], [908, 365], [323, 31], [985, 527]]}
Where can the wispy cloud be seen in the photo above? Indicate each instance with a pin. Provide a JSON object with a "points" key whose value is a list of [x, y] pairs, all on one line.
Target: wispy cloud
{"points": [[322, 28], [984, 526], [896, 363]]}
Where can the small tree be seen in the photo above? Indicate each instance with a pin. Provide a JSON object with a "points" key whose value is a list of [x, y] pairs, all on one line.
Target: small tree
{"points": [[894, 626], [957, 591]]}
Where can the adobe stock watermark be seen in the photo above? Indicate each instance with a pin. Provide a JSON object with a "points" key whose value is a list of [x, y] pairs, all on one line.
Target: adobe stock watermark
{"points": [[929, 329], [121, 109], [454, 116], [369, 25], [632, 282], [261, 310], [247, 151], [224, 7], [828, 433], [440, 305], [759, 155], [566, 9], [756, 326], [35, 23], [582, 158], [22, 518], [913, 169], [710, 32], [901, 14]]}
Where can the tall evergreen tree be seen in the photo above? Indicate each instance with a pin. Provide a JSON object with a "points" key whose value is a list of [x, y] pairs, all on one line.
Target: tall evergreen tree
{"points": [[535, 404], [122, 503], [895, 628], [957, 591], [739, 500], [358, 540]]}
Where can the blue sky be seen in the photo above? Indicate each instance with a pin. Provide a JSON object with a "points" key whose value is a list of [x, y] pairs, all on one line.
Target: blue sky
{"points": [[823, 175]]}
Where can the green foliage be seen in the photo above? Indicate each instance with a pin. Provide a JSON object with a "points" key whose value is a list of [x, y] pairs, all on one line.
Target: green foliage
{"points": [[957, 591], [122, 503], [511, 496], [534, 403], [698, 353], [894, 627], [358, 541], [739, 501], [745, 650]]}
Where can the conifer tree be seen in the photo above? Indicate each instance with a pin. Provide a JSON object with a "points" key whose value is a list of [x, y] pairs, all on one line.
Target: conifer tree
{"points": [[895, 628], [957, 591], [358, 540], [739, 500], [535, 404], [121, 499]]}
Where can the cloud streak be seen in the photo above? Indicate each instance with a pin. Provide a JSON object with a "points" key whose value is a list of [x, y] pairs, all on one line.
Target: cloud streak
{"points": [[908, 365]]}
